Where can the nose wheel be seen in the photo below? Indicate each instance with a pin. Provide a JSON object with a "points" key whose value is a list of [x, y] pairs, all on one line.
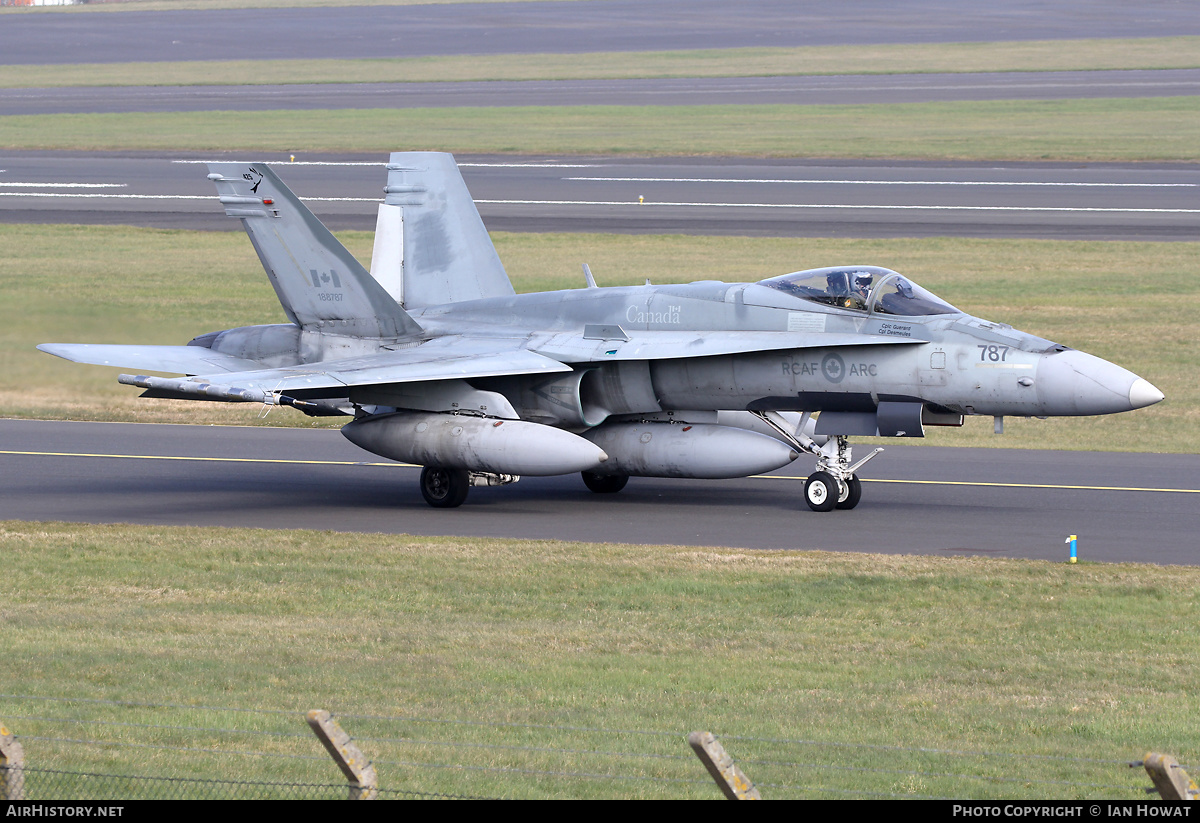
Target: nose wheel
{"points": [[823, 492], [834, 485], [851, 493]]}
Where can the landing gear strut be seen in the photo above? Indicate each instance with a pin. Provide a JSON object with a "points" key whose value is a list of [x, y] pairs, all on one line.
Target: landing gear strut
{"points": [[834, 485]]}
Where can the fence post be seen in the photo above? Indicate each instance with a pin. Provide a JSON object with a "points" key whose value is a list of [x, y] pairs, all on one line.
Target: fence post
{"points": [[1171, 781], [364, 783], [720, 765], [12, 766]]}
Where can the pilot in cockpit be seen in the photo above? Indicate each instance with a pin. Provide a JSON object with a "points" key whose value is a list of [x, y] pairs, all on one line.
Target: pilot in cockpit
{"points": [[837, 287], [862, 288]]}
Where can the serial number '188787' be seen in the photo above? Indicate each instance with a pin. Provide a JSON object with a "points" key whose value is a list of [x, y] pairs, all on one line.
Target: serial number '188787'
{"points": [[329, 297]]}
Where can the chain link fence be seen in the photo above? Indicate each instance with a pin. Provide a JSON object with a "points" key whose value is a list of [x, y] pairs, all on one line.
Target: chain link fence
{"points": [[57, 784], [111, 751]]}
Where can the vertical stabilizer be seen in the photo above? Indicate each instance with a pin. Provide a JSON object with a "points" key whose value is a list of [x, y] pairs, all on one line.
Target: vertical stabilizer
{"points": [[448, 256], [319, 283]]}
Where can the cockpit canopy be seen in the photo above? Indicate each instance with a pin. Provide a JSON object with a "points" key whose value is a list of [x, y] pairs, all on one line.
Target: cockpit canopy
{"points": [[862, 288]]}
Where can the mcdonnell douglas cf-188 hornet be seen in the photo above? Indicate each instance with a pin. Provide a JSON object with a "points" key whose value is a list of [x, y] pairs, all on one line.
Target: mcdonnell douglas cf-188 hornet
{"points": [[442, 365]]}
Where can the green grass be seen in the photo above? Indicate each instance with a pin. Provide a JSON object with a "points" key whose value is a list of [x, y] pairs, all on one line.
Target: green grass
{"points": [[535, 660], [1161, 129], [1131, 303], [1145, 53]]}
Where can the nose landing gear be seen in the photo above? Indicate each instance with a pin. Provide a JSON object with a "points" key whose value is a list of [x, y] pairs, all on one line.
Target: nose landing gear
{"points": [[823, 492], [834, 485]]}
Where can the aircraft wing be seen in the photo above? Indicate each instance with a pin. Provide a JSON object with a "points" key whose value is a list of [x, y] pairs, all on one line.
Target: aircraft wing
{"points": [[602, 343], [174, 359], [443, 358]]}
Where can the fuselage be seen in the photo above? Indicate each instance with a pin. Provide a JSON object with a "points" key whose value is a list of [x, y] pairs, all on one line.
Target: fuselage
{"points": [[949, 361], [954, 361]]}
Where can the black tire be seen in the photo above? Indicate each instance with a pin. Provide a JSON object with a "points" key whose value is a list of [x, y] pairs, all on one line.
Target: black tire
{"points": [[444, 488], [853, 493], [821, 492], [605, 483]]}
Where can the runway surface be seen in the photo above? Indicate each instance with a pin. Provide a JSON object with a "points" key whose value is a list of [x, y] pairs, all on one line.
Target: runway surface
{"points": [[685, 195], [928, 500], [566, 27]]}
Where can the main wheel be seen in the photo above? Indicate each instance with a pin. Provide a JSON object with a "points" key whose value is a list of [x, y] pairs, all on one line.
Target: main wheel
{"points": [[605, 483], [444, 488], [821, 492], [852, 493]]}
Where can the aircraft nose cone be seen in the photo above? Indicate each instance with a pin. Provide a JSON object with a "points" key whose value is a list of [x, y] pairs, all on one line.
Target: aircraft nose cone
{"points": [[1076, 383], [1142, 393]]}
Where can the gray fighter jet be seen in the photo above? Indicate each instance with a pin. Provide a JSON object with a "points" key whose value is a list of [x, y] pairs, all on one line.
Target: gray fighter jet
{"points": [[442, 365]]}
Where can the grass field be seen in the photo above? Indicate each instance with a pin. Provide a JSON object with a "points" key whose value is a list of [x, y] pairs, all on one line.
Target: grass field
{"points": [[1147, 53], [1132, 303], [542, 665], [1075, 130]]}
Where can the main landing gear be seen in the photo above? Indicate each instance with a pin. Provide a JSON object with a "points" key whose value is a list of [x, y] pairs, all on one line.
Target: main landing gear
{"points": [[834, 485], [605, 483], [447, 488]]}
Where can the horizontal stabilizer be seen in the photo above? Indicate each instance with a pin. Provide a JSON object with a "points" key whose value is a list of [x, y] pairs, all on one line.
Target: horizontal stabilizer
{"points": [[172, 359]]}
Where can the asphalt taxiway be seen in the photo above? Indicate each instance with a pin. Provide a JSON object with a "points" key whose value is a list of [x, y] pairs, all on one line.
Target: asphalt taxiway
{"points": [[927, 500], [355, 32]]}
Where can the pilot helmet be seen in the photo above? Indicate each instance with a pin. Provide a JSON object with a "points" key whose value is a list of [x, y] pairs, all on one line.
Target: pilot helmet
{"points": [[862, 281]]}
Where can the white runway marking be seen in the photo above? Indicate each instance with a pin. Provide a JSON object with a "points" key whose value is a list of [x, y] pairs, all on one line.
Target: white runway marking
{"points": [[64, 185], [211, 197], [811, 206], [881, 182], [107, 196], [834, 206]]}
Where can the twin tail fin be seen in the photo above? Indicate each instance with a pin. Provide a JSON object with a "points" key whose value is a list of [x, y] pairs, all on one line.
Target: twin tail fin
{"points": [[320, 285]]}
